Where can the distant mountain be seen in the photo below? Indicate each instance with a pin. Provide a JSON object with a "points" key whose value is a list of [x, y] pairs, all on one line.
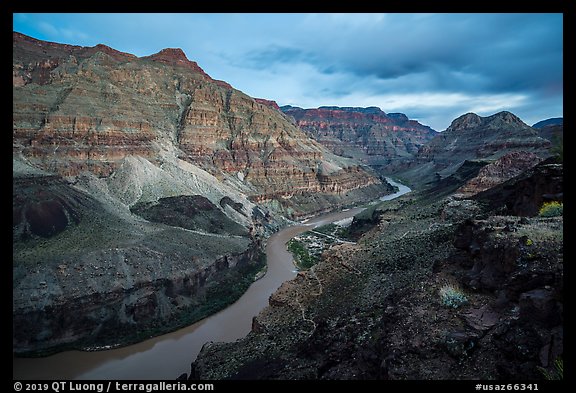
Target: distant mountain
{"points": [[367, 134], [553, 121], [472, 137]]}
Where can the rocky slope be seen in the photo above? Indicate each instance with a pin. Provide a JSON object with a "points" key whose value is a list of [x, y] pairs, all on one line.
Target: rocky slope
{"points": [[499, 171], [437, 289], [524, 194], [472, 137], [553, 130], [87, 273], [135, 183], [367, 134], [554, 133]]}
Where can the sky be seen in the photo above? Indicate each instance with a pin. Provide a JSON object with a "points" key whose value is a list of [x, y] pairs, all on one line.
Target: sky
{"points": [[432, 67]]}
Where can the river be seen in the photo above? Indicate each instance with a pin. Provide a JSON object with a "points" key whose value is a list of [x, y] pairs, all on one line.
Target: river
{"points": [[169, 355]]}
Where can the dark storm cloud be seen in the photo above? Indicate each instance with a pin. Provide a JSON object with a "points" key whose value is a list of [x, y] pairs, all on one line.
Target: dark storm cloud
{"points": [[485, 52]]}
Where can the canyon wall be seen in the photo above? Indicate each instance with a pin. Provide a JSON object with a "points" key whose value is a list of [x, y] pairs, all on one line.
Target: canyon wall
{"points": [[472, 138], [85, 109], [367, 134]]}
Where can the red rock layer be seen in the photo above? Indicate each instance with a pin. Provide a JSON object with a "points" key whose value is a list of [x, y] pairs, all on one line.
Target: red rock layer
{"points": [[366, 133], [270, 103]]}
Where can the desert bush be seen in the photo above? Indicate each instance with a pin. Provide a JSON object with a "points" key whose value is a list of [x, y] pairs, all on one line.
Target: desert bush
{"points": [[452, 296], [551, 209], [303, 258]]}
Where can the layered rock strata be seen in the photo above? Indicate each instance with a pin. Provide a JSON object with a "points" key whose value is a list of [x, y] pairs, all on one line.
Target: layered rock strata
{"points": [[368, 134], [472, 137], [134, 190], [85, 109], [499, 171]]}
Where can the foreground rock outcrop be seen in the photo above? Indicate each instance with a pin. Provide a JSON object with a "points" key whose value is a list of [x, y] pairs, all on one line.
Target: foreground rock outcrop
{"points": [[439, 288], [499, 171], [88, 274]]}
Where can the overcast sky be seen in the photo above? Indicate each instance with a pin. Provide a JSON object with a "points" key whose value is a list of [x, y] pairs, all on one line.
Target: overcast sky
{"points": [[433, 67]]}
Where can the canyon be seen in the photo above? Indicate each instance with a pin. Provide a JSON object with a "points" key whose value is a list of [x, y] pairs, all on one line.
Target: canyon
{"points": [[377, 309], [142, 192], [86, 109], [145, 193]]}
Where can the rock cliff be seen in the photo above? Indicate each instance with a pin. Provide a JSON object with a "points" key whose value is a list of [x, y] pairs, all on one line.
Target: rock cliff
{"points": [[88, 274], [499, 171], [86, 109], [436, 289], [368, 134]]}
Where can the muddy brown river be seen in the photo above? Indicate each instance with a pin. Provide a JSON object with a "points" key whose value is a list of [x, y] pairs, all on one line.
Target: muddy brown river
{"points": [[169, 355]]}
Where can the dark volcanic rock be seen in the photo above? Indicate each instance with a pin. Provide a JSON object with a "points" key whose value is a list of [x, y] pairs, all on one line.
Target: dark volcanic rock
{"points": [[525, 194], [45, 206], [540, 306], [190, 212], [373, 310], [87, 274]]}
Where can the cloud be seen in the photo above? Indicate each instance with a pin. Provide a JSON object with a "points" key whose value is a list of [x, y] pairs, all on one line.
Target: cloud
{"points": [[60, 34], [496, 52], [274, 55]]}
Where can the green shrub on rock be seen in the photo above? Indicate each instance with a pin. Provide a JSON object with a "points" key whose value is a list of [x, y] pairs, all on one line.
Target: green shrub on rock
{"points": [[551, 209], [452, 296]]}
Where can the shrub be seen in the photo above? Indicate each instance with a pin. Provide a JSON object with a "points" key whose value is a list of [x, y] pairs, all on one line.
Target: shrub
{"points": [[452, 296], [551, 209], [557, 372], [303, 258]]}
